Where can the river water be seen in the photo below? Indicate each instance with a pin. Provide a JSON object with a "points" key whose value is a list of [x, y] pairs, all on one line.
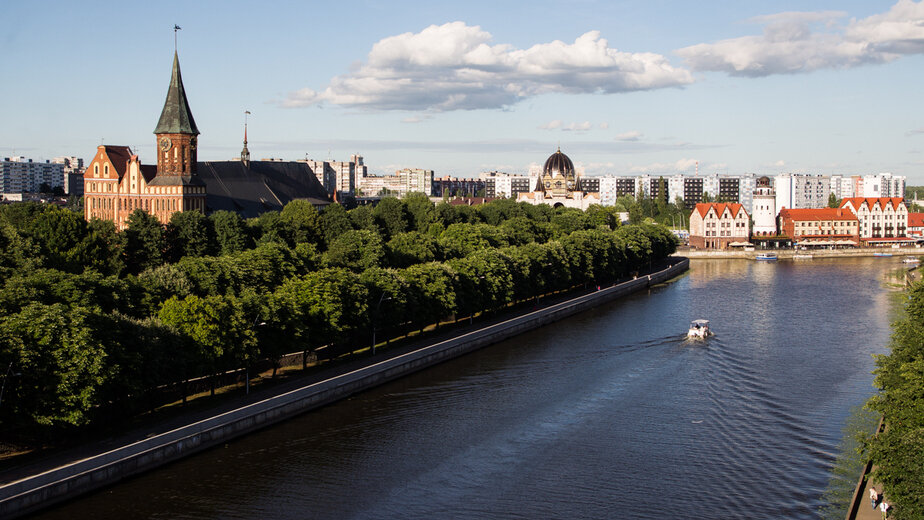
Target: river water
{"points": [[610, 414]]}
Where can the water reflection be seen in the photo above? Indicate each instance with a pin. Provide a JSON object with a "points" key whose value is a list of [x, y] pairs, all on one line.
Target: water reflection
{"points": [[609, 414]]}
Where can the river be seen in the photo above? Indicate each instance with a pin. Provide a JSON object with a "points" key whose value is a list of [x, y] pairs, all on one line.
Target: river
{"points": [[609, 414]]}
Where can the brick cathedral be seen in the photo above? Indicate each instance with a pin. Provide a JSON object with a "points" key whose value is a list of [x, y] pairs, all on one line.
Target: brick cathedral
{"points": [[116, 183]]}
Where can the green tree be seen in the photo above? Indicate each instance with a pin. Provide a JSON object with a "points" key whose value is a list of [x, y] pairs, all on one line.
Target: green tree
{"points": [[431, 291], [143, 242], [61, 363], [189, 233], [391, 217], [59, 235], [898, 451], [335, 221], [833, 201], [362, 218], [406, 249], [302, 222], [460, 240], [215, 326], [356, 250], [420, 210], [231, 233]]}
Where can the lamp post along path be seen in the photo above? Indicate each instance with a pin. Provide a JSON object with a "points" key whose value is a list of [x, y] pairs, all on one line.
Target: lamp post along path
{"points": [[375, 316]]}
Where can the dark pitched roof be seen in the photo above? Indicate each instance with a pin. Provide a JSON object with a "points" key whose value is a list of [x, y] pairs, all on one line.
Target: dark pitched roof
{"points": [[172, 180], [118, 156], [261, 187], [149, 172], [176, 117]]}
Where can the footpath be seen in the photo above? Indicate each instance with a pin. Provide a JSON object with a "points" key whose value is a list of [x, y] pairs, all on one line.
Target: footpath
{"points": [[64, 474]]}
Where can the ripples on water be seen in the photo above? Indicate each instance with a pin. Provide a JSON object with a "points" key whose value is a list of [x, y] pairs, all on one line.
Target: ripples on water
{"points": [[612, 414]]}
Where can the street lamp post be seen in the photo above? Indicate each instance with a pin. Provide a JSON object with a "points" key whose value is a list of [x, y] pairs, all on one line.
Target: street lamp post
{"points": [[247, 376], [9, 373], [375, 316]]}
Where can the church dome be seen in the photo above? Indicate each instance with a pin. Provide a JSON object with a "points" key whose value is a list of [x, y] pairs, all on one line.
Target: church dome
{"points": [[763, 182], [558, 164]]}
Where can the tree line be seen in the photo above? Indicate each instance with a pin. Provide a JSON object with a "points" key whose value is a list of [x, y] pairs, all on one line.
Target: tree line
{"points": [[94, 322], [898, 451]]}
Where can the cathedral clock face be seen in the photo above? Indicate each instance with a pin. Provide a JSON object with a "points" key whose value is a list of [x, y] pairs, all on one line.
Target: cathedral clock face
{"points": [[165, 144]]}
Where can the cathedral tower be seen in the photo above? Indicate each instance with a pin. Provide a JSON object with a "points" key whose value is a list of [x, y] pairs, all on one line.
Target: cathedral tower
{"points": [[176, 131]]}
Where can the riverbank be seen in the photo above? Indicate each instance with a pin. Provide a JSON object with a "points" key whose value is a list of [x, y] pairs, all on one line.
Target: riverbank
{"points": [[789, 254], [74, 477]]}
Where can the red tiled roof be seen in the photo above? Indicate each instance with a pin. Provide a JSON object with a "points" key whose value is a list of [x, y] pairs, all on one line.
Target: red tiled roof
{"points": [[915, 220], [703, 208], [856, 202], [802, 214]]}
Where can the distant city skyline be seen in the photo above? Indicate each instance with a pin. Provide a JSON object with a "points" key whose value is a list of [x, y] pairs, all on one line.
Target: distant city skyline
{"points": [[624, 88]]}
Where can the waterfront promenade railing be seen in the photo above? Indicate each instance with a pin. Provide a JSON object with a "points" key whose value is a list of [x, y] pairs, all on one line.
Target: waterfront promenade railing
{"points": [[37, 491]]}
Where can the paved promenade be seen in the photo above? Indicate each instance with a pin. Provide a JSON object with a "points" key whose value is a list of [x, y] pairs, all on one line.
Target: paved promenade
{"points": [[63, 474]]}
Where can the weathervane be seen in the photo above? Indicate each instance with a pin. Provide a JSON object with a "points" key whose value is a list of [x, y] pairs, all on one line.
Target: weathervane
{"points": [[175, 29]]}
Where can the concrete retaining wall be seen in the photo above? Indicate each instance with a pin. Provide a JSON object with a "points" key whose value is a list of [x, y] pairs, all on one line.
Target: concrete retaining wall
{"points": [[39, 491]]}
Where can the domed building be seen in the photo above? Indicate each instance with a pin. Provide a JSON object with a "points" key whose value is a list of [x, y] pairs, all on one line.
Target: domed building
{"points": [[559, 185]]}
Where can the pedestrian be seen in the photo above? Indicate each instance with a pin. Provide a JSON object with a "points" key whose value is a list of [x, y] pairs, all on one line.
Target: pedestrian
{"points": [[873, 497], [884, 508]]}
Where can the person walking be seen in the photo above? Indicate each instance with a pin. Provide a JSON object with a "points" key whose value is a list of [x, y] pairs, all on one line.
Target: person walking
{"points": [[884, 508], [873, 497]]}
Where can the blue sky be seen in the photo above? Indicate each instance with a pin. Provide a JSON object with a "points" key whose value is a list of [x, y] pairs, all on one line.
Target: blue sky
{"points": [[623, 87]]}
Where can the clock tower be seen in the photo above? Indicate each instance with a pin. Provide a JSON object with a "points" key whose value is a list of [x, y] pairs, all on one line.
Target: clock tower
{"points": [[176, 131]]}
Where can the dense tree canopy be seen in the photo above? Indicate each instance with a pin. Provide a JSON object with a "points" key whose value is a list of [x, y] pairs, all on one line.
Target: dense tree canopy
{"points": [[898, 452], [98, 320]]}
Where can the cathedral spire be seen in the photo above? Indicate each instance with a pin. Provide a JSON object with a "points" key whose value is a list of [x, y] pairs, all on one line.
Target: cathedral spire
{"points": [[176, 118], [245, 153]]}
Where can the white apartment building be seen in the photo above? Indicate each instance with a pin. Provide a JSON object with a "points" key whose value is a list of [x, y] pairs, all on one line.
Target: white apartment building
{"points": [[883, 185], [21, 175], [344, 177], [844, 186], [415, 180], [801, 191]]}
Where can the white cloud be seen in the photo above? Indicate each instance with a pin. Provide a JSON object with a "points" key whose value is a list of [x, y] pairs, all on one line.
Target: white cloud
{"points": [[416, 119], [779, 164], [633, 135], [558, 124], [604, 126], [796, 42], [682, 165], [578, 127], [455, 67], [916, 131]]}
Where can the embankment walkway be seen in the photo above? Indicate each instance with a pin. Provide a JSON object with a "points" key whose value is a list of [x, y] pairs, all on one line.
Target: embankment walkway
{"points": [[787, 254], [68, 474]]}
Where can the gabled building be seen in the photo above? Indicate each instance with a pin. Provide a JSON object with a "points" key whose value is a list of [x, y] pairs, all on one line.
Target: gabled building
{"points": [[820, 226], [915, 225], [718, 225], [880, 218], [116, 183]]}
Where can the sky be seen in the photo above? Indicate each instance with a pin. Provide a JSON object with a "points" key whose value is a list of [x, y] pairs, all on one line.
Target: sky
{"points": [[622, 87]]}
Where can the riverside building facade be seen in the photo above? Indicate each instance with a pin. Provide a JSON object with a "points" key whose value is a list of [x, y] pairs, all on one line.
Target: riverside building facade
{"points": [[719, 225]]}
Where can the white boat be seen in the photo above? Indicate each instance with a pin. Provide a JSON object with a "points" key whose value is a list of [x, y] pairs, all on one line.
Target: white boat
{"points": [[766, 257], [802, 256], [699, 329], [883, 255], [911, 260]]}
